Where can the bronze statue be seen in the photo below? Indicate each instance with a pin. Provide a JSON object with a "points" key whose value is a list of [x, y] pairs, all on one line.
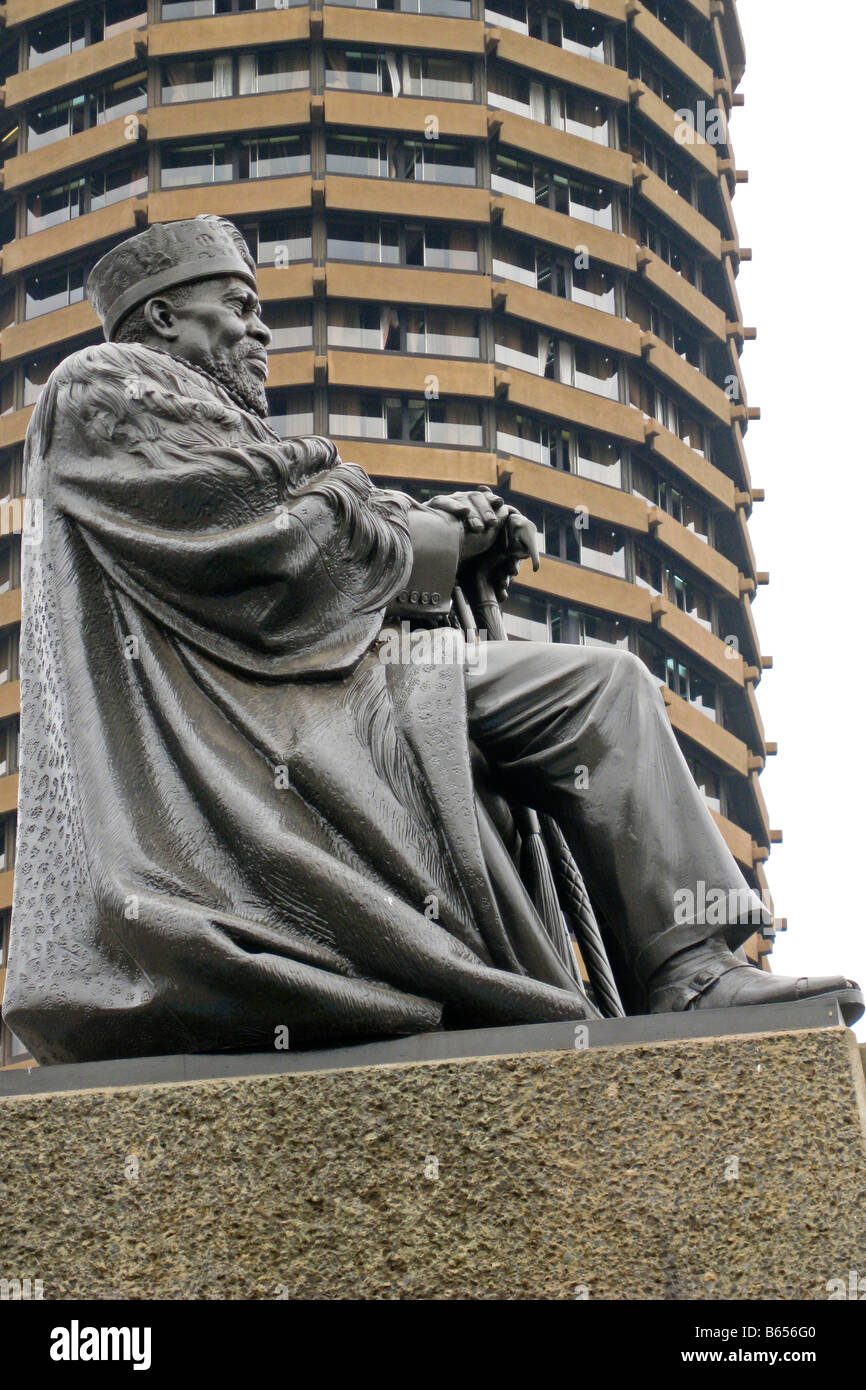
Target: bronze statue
{"points": [[247, 802]]}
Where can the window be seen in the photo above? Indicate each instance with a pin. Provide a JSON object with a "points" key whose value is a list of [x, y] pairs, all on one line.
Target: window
{"points": [[509, 14], [280, 241], [8, 748], [273, 70], [521, 345], [291, 325], [198, 9], [442, 79], [10, 567], [594, 370], [55, 122], [37, 370], [569, 624], [348, 154], [60, 203], [356, 325], [112, 184], [11, 470], [596, 547], [371, 416], [654, 320], [437, 161], [359, 70], [598, 459], [709, 783], [594, 285], [442, 333], [8, 657], [526, 618], [580, 114], [647, 570], [683, 680], [650, 234], [46, 124], [56, 38], [52, 289], [589, 202], [524, 436], [576, 32], [291, 412], [376, 242], [689, 598], [274, 157], [195, 79]]}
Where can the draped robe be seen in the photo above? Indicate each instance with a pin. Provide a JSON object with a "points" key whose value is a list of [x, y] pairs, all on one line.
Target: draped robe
{"points": [[234, 818]]}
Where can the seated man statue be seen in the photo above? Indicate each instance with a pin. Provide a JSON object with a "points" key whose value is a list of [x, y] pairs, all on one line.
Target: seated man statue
{"points": [[239, 811]]}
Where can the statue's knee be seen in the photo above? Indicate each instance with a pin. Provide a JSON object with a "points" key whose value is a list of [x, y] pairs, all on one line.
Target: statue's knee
{"points": [[628, 672]]}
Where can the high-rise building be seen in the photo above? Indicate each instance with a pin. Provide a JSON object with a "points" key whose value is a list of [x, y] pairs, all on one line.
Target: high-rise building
{"points": [[496, 245]]}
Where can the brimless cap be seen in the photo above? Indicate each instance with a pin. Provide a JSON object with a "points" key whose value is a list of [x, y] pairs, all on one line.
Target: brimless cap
{"points": [[167, 254]]}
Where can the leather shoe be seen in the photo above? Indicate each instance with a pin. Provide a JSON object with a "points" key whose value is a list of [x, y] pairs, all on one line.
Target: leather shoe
{"points": [[712, 977]]}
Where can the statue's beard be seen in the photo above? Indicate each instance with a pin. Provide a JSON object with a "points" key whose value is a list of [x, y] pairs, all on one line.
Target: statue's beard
{"points": [[241, 381]]}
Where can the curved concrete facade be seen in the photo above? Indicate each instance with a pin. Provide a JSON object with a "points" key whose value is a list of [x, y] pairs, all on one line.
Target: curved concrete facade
{"points": [[496, 245]]}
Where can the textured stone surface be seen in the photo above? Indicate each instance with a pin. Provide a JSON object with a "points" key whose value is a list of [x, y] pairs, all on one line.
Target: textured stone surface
{"points": [[609, 1169]]}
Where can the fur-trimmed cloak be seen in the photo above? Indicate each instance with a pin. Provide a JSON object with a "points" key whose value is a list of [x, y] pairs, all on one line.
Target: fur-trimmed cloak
{"points": [[233, 817]]}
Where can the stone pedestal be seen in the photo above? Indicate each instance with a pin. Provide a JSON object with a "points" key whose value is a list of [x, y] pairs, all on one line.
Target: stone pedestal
{"points": [[706, 1167]]}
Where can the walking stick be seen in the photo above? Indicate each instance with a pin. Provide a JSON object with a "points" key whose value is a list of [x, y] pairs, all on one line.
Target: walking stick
{"points": [[547, 865]]}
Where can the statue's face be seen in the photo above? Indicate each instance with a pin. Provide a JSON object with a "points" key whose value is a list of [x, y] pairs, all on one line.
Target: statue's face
{"points": [[219, 329]]}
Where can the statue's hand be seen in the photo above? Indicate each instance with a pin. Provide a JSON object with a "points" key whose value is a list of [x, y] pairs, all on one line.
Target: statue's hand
{"points": [[482, 514]]}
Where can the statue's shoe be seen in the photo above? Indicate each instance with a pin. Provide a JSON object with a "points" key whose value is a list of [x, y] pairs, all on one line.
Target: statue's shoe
{"points": [[719, 980]]}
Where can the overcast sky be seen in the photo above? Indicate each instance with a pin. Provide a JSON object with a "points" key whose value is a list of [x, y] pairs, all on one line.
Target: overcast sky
{"points": [[800, 212]]}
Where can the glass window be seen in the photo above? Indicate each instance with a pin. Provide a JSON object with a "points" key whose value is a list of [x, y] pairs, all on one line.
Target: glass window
{"points": [[449, 247], [358, 415], [196, 79], [647, 570], [514, 176], [280, 241], [347, 154], [509, 14], [595, 371], [443, 333], [361, 70], [52, 289], [291, 325], [37, 370], [45, 124], [55, 39], [523, 435], [120, 15], [49, 206], [121, 98], [598, 459], [453, 422], [184, 165], [525, 617], [596, 547], [274, 157], [357, 325], [273, 70], [363, 240], [437, 161], [594, 285], [118, 181], [291, 412], [445, 78]]}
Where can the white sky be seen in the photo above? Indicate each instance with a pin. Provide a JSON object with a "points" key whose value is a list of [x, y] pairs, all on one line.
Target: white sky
{"points": [[797, 136]]}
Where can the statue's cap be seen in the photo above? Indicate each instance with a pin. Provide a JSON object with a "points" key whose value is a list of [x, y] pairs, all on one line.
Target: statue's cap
{"points": [[167, 254]]}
